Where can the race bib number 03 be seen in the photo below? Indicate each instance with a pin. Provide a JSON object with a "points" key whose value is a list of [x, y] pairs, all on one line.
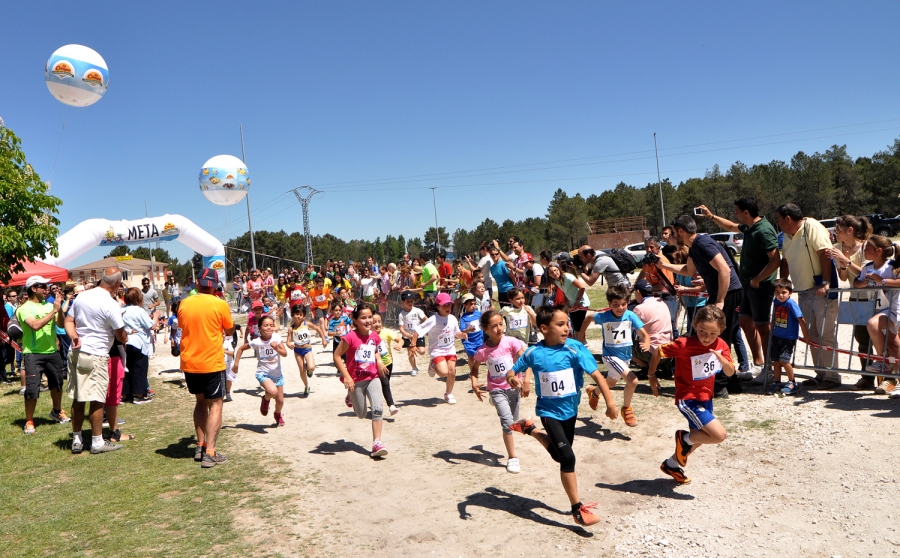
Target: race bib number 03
{"points": [[498, 367], [616, 334], [558, 384], [704, 366]]}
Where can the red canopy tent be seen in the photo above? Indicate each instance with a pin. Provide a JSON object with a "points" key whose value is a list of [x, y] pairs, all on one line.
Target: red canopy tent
{"points": [[51, 272]]}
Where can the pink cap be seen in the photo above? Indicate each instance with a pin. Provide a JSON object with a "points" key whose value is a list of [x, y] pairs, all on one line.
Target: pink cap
{"points": [[443, 299]]}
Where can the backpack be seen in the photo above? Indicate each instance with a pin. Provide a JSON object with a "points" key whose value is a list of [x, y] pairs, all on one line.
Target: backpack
{"points": [[13, 329], [624, 260]]}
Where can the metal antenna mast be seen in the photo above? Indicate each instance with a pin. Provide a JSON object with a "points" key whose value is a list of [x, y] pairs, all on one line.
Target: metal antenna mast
{"points": [[304, 201]]}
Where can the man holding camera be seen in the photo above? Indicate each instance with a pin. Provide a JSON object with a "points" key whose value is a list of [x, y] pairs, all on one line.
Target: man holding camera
{"points": [[760, 260], [659, 277]]}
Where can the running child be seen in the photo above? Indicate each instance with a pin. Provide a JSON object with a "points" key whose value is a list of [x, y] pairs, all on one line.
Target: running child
{"points": [[257, 311], [499, 352], [559, 364], [618, 323], [880, 273], [388, 337], [519, 317], [442, 329], [301, 343], [697, 360], [409, 320], [320, 296], [788, 320], [269, 347], [228, 346], [338, 324], [359, 348], [470, 324]]}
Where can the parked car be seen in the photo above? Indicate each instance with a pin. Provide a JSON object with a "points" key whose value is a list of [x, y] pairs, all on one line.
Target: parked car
{"points": [[884, 226], [637, 250], [829, 225], [733, 241]]}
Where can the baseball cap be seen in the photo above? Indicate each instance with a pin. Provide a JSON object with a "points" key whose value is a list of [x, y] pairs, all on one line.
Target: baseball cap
{"points": [[467, 297], [442, 299], [526, 257], [256, 304], [644, 287], [35, 280], [207, 278], [79, 289], [408, 295], [563, 257]]}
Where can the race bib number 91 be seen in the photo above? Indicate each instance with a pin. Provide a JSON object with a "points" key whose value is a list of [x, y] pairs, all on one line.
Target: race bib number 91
{"points": [[704, 366], [558, 384]]}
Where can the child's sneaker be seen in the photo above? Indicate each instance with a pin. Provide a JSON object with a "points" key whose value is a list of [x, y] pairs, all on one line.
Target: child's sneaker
{"points": [[347, 401], [306, 391], [790, 388], [431, 370], [394, 410], [414, 372], [682, 448], [628, 416], [264, 406], [279, 419], [448, 397], [524, 426], [584, 516], [676, 473], [378, 449], [227, 398], [593, 398], [512, 465], [29, 427], [774, 387], [886, 386]]}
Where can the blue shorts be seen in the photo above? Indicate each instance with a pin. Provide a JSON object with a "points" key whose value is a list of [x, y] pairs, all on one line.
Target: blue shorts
{"points": [[262, 377], [470, 355], [302, 351], [697, 413]]}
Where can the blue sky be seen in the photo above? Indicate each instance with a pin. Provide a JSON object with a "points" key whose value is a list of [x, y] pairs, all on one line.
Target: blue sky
{"points": [[351, 96]]}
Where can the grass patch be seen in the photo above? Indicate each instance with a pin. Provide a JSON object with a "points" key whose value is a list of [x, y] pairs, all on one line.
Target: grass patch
{"points": [[148, 499], [755, 424]]}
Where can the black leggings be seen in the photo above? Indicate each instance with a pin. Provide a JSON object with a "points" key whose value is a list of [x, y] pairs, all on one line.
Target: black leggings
{"points": [[386, 385], [561, 434], [577, 317]]}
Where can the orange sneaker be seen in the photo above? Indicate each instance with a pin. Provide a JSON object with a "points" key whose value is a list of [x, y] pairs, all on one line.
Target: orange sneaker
{"points": [[593, 398], [584, 516], [676, 473], [524, 426], [682, 449], [628, 416], [886, 386]]}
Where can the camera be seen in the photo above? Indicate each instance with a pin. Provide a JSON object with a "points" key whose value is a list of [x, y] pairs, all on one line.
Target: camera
{"points": [[649, 259], [698, 211]]}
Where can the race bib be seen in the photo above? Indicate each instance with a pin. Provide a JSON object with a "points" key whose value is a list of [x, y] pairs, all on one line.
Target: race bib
{"points": [[266, 352], [445, 339], [301, 336], [704, 366], [365, 354], [320, 298], [297, 295], [616, 334], [382, 348], [476, 324], [498, 367], [557, 384], [518, 322]]}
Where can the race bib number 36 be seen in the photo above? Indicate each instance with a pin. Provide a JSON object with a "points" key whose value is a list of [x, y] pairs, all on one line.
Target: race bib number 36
{"points": [[704, 366], [558, 384], [616, 334]]}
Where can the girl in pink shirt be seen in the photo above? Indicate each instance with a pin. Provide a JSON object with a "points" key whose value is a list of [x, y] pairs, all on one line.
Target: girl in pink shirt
{"points": [[361, 371], [499, 352]]}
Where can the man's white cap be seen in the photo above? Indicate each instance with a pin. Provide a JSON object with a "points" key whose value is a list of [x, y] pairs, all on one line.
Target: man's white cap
{"points": [[35, 280]]}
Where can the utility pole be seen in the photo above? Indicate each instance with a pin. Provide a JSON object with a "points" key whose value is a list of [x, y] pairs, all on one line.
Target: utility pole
{"points": [[304, 201], [249, 220], [659, 182], [437, 231]]}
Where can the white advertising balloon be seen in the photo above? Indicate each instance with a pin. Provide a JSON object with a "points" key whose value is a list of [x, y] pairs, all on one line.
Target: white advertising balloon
{"points": [[224, 180], [76, 75]]}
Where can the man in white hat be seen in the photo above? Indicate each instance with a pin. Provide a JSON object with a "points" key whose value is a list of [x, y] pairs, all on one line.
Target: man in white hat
{"points": [[39, 354]]}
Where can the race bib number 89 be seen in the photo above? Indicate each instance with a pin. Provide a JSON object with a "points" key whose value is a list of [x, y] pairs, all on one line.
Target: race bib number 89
{"points": [[704, 366], [558, 384]]}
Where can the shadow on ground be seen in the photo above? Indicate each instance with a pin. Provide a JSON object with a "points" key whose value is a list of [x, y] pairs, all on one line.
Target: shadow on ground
{"points": [[483, 457], [495, 499]]}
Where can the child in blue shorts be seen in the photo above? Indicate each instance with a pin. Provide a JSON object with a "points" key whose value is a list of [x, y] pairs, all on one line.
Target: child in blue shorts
{"points": [[269, 349], [618, 323], [788, 322], [559, 365], [300, 342], [697, 360], [470, 324]]}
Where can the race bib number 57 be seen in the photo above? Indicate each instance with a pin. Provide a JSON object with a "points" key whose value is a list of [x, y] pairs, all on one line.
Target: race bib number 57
{"points": [[558, 384]]}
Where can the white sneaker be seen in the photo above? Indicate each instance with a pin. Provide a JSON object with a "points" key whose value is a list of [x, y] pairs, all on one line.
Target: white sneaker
{"points": [[22, 390], [760, 378], [749, 374], [394, 410], [431, 370], [512, 465], [448, 397], [414, 372]]}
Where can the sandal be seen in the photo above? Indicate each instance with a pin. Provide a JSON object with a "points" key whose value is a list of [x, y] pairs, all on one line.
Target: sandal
{"points": [[628, 415], [117, 436]]}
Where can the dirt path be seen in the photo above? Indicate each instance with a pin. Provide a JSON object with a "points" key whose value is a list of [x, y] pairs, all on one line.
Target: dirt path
{"points": [[812, 476]]}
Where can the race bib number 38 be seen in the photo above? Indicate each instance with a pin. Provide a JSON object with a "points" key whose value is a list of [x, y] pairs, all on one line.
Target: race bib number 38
{"points": [[365, 354], [704, 366], [558, 384], [616, 333]]}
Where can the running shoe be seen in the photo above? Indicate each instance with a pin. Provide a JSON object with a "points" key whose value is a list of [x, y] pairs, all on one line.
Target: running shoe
{"points": [[227, 398], [894, 394], [676, 473], [198, 455], [306, 391], [22, 390], [60, 416], [142, 399], [875, 367], [628, 416], [264, 406], [106, 447], [212, 460], [887, 386], [394, 410], [448, 397], [864, 383], [29, 427], [431, 370], [584, 516], [524, 426], [279, 419], [378, 449], [77, 447], [773, 388], [682, 448], [347, 401], [151, 393], [413, 372], [790, 388], [309, 373], [512, 465], [593, 398]]}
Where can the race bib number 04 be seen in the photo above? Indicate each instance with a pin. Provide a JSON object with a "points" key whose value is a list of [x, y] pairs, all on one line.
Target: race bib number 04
{"points": [[616, 334], [558, 384], [704, 366]]}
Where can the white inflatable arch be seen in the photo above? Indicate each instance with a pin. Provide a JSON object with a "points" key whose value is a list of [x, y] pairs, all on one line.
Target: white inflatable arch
{"points": [[101, 232]]}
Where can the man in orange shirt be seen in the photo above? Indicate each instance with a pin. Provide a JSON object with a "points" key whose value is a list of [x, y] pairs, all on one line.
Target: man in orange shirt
{"points": [[651, 272], [203, 320], [319, 298]]}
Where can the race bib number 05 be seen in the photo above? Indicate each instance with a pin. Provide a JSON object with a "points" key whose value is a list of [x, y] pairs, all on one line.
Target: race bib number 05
{"points": [[616, 334], [704, 366], [558, 384], [498, 367]]}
